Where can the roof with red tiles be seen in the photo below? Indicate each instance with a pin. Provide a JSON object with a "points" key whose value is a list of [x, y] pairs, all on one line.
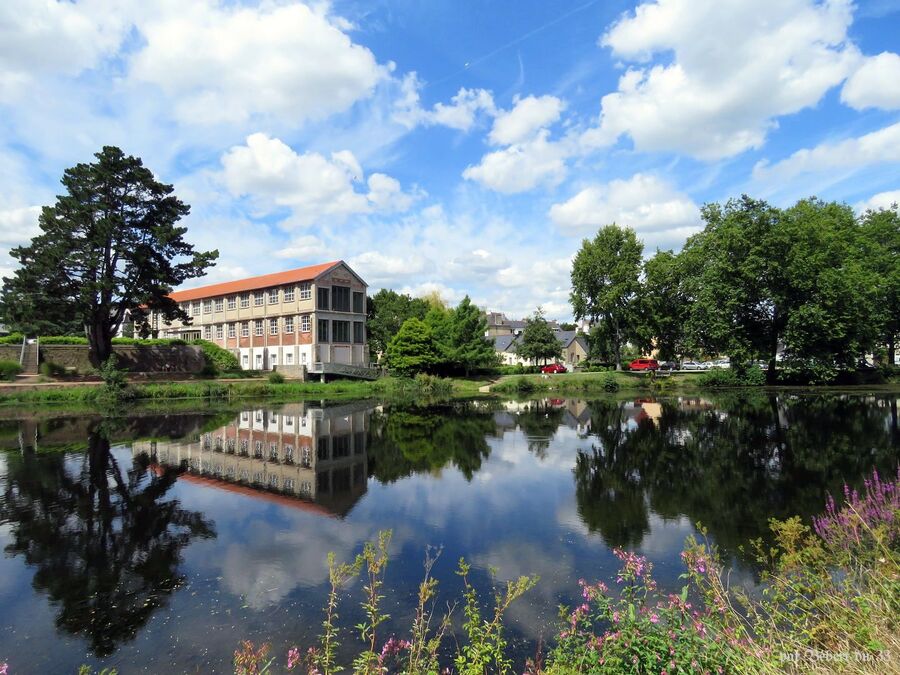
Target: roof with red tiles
{"points": [[254, 283]]}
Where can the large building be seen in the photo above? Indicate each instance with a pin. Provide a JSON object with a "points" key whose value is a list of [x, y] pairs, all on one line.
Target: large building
{"points": [[312, 317]]}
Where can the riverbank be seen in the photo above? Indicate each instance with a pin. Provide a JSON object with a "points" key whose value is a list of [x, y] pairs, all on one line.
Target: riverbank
{"points": [[92, 394]]}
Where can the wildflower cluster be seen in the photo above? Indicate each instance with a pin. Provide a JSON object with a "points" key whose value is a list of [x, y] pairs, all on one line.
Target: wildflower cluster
{"points": [[854, 524]]}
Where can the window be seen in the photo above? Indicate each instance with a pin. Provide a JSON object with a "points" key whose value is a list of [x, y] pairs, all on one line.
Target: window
{"points": [[273, 452], [259, 361], [341, 331], [322, 451], [207, 332], [289, 294], [304, 323], [219, 333], [231, 331], [246, 359], [273, 326], [289, 359], [232, 302], [305, 290], [289, 484], [340, 298], [273, 296], [245, 300], [273, 357], [305, 458], [220, 304], [207, 306], [359, 332], [245, 329], [273, 482], [258, 299], [288, 324], [258, 328], [323, 330], [323, 298], [195, 308], [359, 302]]}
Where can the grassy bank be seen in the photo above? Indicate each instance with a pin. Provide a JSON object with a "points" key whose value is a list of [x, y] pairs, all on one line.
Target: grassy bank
{"points": [[229, 390]]}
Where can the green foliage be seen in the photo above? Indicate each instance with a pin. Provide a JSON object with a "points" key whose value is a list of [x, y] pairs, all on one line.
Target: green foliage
{"points": [[63, 340], [110, 245], [609, 383], [9, 370], [113, 378], [276, 378], [468, 348], [50, 369], [11, 339], [663, 306], [538, 341], [218, 359], [412, 350], [731, 377], [388, 310], [605, 282]]}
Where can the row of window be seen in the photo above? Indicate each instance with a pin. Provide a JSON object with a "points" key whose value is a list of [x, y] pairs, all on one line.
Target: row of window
{"points": [[340, 331], [336, 298]]}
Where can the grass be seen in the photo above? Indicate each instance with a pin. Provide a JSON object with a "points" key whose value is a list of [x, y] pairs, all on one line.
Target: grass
{"points": [[585, 382]]}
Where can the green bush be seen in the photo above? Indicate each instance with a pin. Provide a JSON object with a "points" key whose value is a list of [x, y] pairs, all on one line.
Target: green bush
{"points": [[609, 383], [218, 360], [50, 369], [754, 376], [718, 377], [9, 370], [63, 340], [276, 378], [11, 339]]}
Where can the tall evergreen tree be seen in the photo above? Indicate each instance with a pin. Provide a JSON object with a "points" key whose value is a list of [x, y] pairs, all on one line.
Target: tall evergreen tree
{"points": [[108, 247], [538, 341], [469, 346]]}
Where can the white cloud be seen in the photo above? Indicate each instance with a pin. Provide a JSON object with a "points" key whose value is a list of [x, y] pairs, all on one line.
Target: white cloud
{"points": [[875, 84], [376, 267], [305, 247], [527, 116], [850, 154], [882, 200], [226, 64], [54, 37], [736, 66], [18, 225], [521, 166], [312, 185], [643, 202], [460, 113]]}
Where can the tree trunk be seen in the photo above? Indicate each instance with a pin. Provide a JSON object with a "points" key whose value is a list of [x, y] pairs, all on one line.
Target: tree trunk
{"points": [[99, 344], [617, 347], [891, 349]]}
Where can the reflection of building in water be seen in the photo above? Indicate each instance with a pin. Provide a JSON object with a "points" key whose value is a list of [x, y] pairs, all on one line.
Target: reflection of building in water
{"points": [[285, 453]]}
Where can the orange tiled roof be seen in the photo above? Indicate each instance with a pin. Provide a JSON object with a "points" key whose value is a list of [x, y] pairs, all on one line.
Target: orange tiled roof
{"points": [[253, 283]]}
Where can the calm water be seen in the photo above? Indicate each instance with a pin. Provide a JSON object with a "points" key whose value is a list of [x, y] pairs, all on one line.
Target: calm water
{"points": [[153, 540]]}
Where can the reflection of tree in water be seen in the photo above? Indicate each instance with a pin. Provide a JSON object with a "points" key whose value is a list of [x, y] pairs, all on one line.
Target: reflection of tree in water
{"points": [[731, 466], [539, 423], [106, 545], [404, 442]]}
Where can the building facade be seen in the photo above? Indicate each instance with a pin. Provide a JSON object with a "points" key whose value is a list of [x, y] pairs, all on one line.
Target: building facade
{"points": [[299, 318]]}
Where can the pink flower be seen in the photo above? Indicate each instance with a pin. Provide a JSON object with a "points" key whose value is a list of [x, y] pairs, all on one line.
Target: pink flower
{"points": [[393, 647], [654, 618], [293, 658], [4, 668]]}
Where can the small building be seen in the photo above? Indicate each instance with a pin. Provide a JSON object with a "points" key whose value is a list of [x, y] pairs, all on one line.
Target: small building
{"points": [[312, 317], [574, 349]]}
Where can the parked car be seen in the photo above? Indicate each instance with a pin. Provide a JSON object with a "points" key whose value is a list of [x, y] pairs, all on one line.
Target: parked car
{"points": [[691, 365], [706, 365], [554, 368], [721, 363], [668, 365], [644, 364]]}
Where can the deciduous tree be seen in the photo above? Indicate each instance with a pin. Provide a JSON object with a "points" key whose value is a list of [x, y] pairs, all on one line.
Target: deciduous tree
{"points": [[412, 350], [538, 341]]}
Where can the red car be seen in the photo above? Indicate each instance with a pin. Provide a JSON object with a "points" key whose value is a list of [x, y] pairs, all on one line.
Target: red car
{"points": [[644, 364], [554, 368]]}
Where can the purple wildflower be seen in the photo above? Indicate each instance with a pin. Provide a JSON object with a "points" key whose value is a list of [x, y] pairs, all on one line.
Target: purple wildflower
{"points": [[293, 658]]}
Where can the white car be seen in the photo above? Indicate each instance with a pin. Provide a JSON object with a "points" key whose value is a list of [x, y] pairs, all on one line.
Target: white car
{"points": [[691, 365], [721, 363]]}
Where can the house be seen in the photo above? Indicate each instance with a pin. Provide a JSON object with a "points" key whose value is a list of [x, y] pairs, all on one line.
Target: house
{"points": [[498, 324], [574, 348], [312, 316]]}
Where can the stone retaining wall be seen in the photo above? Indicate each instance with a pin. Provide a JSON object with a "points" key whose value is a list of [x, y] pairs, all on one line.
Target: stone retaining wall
{"points": [[139, 359]]}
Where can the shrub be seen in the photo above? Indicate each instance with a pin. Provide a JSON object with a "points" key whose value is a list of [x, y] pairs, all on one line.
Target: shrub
{"points": [[718, 377], [9, 370], [50, 369], [276, 378], [63, 340], [218, 360], [12, 339], [754, 376], [609, 383], [524, 386]]}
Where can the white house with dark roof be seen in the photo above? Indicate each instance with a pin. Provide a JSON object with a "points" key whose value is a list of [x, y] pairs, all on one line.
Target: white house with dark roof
{"points": [[574, 346]]}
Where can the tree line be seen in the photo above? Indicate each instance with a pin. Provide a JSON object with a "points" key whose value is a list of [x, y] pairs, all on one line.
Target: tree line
{"points": [[808, 289], [424, 335]]}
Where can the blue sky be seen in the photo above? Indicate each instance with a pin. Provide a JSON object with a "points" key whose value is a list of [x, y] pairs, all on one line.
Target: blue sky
{"points": [[459, 147]]}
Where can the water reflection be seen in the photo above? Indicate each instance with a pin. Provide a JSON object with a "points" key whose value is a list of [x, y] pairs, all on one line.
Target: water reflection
{"points": [[242, 506], [298, 455], [105, 542]]}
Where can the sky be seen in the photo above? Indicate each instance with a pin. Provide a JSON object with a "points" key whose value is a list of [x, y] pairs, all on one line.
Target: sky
{"points": [[454, 146]]}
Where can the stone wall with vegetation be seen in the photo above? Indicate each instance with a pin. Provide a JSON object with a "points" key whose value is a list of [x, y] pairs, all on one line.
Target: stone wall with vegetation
{"points": [[150, 358]]}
